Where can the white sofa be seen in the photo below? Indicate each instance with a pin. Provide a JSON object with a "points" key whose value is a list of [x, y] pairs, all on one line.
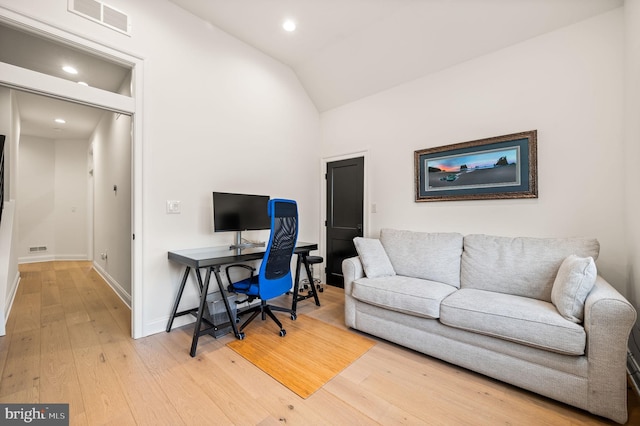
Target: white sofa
{"points": [[531, 312]]}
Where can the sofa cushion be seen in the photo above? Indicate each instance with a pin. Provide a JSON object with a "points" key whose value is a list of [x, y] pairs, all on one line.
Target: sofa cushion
{"points": [[572, 285], [414, 296], [431, 256], [519, 319], [375, 261], [521, 266]]}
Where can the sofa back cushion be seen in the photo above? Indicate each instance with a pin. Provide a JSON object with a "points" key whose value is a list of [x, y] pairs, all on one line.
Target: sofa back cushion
{"points": [[522, 266], [430, 256]]}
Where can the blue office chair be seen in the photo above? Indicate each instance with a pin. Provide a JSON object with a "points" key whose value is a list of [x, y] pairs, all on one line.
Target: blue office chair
{"points": [[274, 278]]}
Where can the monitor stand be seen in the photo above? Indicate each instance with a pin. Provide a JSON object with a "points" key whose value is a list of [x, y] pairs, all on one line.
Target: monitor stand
{"points": [[239, 245]]}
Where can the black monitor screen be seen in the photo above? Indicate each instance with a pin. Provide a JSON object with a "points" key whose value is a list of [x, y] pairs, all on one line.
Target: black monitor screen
{"points": [[240, 212]]}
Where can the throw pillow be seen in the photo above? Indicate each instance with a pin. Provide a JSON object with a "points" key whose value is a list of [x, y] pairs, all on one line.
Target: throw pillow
{"points": [[374, 259], [573, 282]]}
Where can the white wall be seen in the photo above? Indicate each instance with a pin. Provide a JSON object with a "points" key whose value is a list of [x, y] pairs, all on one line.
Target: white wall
{"points": [[111, 144], [566, 84], [239, 122], [632, 157], [9, 275], [36, 193], [218, 115], [52, 208], [70, 207]]}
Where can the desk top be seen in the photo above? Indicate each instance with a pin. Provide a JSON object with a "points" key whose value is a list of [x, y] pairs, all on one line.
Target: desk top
{"points": [[222, 255]]}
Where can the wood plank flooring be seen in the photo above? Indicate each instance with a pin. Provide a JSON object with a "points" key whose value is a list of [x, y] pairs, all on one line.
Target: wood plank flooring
{"points": [[68, 341]]}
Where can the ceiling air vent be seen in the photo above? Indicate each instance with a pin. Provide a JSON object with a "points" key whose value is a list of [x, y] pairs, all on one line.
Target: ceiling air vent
{"points": [[101, 13]]}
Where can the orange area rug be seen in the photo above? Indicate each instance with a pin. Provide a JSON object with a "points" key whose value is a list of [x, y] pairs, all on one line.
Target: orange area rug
{"points": [[312, 353]]}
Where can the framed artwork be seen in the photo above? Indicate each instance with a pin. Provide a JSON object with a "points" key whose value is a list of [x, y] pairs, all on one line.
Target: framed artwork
{"points": [[493, 168]]}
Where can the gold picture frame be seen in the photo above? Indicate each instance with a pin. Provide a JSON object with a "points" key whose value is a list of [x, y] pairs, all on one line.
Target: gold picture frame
{"points": [[493, 168]]}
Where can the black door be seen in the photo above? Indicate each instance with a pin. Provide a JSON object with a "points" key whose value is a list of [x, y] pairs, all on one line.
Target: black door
{"points": [[345, 198]]}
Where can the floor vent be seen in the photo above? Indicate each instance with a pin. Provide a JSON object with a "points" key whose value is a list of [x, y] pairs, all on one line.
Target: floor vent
{"points": [[101, 13]]}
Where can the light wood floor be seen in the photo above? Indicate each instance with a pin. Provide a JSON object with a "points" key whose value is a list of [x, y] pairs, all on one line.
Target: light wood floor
{"points": [[68, 341]]}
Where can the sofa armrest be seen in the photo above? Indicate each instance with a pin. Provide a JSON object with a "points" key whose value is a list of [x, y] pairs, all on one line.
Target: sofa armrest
{"points": [[351, 270], [608, 319]]}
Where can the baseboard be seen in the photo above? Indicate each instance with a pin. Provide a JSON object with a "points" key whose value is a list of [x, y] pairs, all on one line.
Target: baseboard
{"points": [[160, 325], [117, 288], [36, 259], [11, 297], [52, 258], [634, 372]]}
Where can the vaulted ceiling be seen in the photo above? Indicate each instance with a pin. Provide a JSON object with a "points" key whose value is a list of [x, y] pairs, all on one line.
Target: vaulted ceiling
{"points": [[341, 51], [344, 50]]}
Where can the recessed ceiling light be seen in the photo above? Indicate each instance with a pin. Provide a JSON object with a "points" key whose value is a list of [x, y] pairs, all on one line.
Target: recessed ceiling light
{"points": [[83, 83], [289, 25], [60, 120], [69, 69]]}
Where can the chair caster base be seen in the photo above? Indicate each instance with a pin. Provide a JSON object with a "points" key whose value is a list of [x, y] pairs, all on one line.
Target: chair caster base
{"points": [[283, 332]]}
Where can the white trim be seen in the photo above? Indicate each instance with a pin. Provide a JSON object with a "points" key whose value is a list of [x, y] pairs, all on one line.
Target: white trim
{"points": [[137, 203], [52, 258], [99, 98], [35, 82], [322, 247], [160, 325], [113, 283], [8, 306]]}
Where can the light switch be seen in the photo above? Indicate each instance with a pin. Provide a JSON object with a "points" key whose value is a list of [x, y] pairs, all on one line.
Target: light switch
{"points": [[173, 207]]}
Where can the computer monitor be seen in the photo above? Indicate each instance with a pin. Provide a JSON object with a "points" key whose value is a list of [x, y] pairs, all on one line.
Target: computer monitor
{"points": [[240, 212]]}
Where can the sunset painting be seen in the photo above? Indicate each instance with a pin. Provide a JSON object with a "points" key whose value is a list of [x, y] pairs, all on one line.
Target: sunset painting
{"points": [[499, 167], [485, 169]]}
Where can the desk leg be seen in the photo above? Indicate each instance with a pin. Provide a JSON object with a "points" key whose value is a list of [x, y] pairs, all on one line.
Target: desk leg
{"points": [[310, 276], [178, 297], [204, 288], [296, 285], [223, 293]]}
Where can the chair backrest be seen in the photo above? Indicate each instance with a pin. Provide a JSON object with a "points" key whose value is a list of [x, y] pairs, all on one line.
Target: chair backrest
{"points": [[275, 270]]}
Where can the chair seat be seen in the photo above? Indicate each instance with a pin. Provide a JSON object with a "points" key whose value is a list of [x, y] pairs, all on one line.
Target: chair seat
{"points": [[248, 286]]}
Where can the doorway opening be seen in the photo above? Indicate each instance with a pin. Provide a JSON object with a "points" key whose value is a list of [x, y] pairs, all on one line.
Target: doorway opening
{"points": [[25, 79], [74, 187]]}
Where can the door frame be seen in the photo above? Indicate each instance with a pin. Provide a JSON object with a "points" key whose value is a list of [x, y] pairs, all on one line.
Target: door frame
{"points": [[323, 199], [30, 81]]}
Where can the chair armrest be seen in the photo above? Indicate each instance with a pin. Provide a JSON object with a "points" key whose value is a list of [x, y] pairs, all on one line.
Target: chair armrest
{"points": [[608, 319], [238, 265], [351, 270]]}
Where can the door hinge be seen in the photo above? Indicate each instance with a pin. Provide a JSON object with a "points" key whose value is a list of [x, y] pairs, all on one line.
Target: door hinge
{"points": [[325, 176], [134, 236], [326, 223]]}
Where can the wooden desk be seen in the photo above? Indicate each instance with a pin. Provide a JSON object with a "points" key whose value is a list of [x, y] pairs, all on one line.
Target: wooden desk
{"points": [[212, 258]]}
